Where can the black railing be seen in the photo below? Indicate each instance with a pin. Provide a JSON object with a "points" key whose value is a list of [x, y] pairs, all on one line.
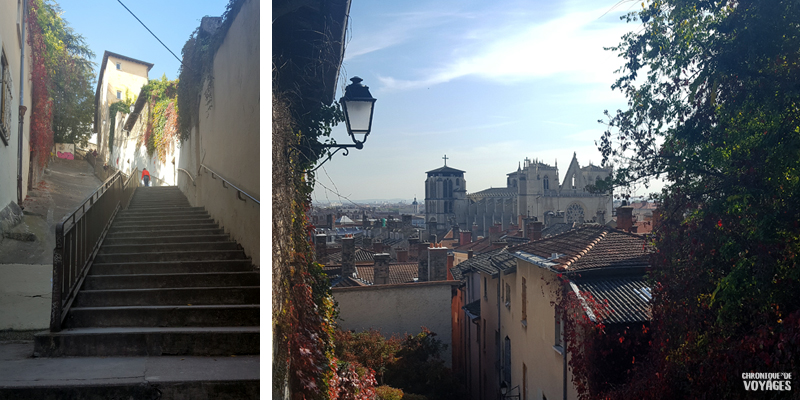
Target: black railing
{"points": [[79, 236]]}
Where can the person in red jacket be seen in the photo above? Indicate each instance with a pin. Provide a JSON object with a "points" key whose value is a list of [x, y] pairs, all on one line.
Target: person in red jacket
{"points": [[146, 177]]}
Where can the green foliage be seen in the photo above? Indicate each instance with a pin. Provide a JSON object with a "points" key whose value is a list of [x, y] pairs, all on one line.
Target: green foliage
{"points": [[716, 111], [162, 124], [388, 393], [122, 106], [198, 70], [71, 85]]}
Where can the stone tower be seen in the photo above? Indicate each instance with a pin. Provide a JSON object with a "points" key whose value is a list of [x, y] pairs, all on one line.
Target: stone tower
{"points": [[445, 199]]}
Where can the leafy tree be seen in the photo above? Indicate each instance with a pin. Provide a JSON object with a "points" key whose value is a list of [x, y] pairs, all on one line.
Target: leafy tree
{"points": [[71, 75], [713, 91]]}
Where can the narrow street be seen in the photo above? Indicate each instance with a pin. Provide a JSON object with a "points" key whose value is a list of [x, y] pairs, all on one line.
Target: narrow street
{"points": [[66, 184], [26, 261]]}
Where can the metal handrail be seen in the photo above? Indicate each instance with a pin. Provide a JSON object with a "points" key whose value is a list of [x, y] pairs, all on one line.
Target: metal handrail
{"points": [[188, 174], [79, 236], [239, 191]]}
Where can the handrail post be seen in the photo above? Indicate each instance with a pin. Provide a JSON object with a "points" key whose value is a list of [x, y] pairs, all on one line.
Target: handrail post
{"points": [[58, 268]]}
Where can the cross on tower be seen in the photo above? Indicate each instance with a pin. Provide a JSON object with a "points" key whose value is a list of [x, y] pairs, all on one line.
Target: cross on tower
{"points": [[445, 160]]}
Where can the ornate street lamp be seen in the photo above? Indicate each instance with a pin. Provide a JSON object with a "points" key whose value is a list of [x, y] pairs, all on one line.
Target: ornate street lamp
{"points": [[504, 392], [358, 106]]}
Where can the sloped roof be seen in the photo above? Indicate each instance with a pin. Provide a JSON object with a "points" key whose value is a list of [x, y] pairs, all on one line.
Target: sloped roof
{"points": [[626, 299], [591, 247], [558, 228], [398, 273], [494, 192], [445, 169], [361, 256], [490, 262], [474, 309]]}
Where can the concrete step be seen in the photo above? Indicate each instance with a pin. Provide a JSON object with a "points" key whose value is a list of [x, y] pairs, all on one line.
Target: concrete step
{"points": [[163, 316], [189, 231], [142, 281], [168, 296], [137, 205], [165, 239], [146, 228], [171, 256], [166, 221], [167, 247], [171, 267], [153, 341], [155, 217], [127, 213]]}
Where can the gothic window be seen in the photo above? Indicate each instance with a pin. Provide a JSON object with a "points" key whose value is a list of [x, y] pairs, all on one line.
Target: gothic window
{"points": [[546, 183], [458, 182], [573, 181], [5, 99], [575, 213]]}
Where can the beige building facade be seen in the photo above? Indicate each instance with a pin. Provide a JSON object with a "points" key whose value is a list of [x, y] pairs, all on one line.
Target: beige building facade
{"points": [[120, 78]]}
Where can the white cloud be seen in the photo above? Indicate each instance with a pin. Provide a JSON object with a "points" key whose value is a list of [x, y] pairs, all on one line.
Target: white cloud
{"points": [[570, 45]]}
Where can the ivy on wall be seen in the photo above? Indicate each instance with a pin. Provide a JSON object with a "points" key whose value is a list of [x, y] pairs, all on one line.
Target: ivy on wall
{"points": [[162, 122], [197, 69], [124, 107]]}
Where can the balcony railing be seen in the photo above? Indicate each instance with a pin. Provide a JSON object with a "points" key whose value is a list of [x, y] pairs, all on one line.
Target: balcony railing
{"points": [[78, 239]]}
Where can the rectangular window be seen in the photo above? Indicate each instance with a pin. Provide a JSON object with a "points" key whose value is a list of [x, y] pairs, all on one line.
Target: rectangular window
{"points": [[508, 295], [559, 330], [5, 99], [119, 94], [507, 363], [119, 66], [485, 292], [524, 300], [524, 382]]}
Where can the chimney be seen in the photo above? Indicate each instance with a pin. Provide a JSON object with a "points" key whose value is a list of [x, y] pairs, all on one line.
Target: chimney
{"points": [[413, 249], [494, 233], [377, 246], [364, 220], [402, 255], [625, 217], [438, 264], [534, 230], [321, 247], [474, 231], [329, 220], [366, 242], [348, 256], [469, 254], [422, 261], [465, 237], [450, 260], [381, 269], [559, 218]]}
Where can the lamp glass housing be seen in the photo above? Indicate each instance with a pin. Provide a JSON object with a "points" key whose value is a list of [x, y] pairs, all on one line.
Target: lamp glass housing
{"points": [[358, 114]]}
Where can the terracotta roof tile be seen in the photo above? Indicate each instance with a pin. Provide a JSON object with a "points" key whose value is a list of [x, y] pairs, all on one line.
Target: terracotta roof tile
{"points": [[590, 247], [398, 273]]}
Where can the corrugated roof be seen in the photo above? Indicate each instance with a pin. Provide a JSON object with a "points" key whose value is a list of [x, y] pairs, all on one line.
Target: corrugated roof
{"points": [[474, 309], [626, 299], [590, 247]]}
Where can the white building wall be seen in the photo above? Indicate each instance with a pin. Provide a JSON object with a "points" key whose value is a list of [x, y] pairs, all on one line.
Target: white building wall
{"points": [[399, 309]]}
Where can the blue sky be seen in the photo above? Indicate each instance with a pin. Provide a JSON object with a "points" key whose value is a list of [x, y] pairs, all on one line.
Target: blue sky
{"points": [[486, 83], [106, 25]]}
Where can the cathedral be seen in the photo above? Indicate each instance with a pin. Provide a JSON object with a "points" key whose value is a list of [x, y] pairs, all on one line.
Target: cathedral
{"points": [[533, 190]]}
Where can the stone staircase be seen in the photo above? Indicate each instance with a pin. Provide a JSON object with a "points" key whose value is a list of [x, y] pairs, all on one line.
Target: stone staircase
{"points": [[166, 281]]}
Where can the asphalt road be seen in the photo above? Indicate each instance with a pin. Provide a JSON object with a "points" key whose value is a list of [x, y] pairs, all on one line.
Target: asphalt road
{"points": [[66, 184]]}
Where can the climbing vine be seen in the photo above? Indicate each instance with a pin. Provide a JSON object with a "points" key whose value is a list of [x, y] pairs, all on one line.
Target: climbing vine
{"points": [[197, 69], [41, 119], [124, 107], [162, 122]]}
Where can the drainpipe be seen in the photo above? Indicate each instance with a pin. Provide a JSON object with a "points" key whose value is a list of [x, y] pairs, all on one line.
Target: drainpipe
{"points": [[22, 107], [499, 330]]}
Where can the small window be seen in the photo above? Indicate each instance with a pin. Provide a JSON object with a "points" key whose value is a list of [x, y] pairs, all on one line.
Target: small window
{"points": [[119, 66], [559, 330], [546, 183], [524, 301], [119, 94], [508, 295], [485, 292]]}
